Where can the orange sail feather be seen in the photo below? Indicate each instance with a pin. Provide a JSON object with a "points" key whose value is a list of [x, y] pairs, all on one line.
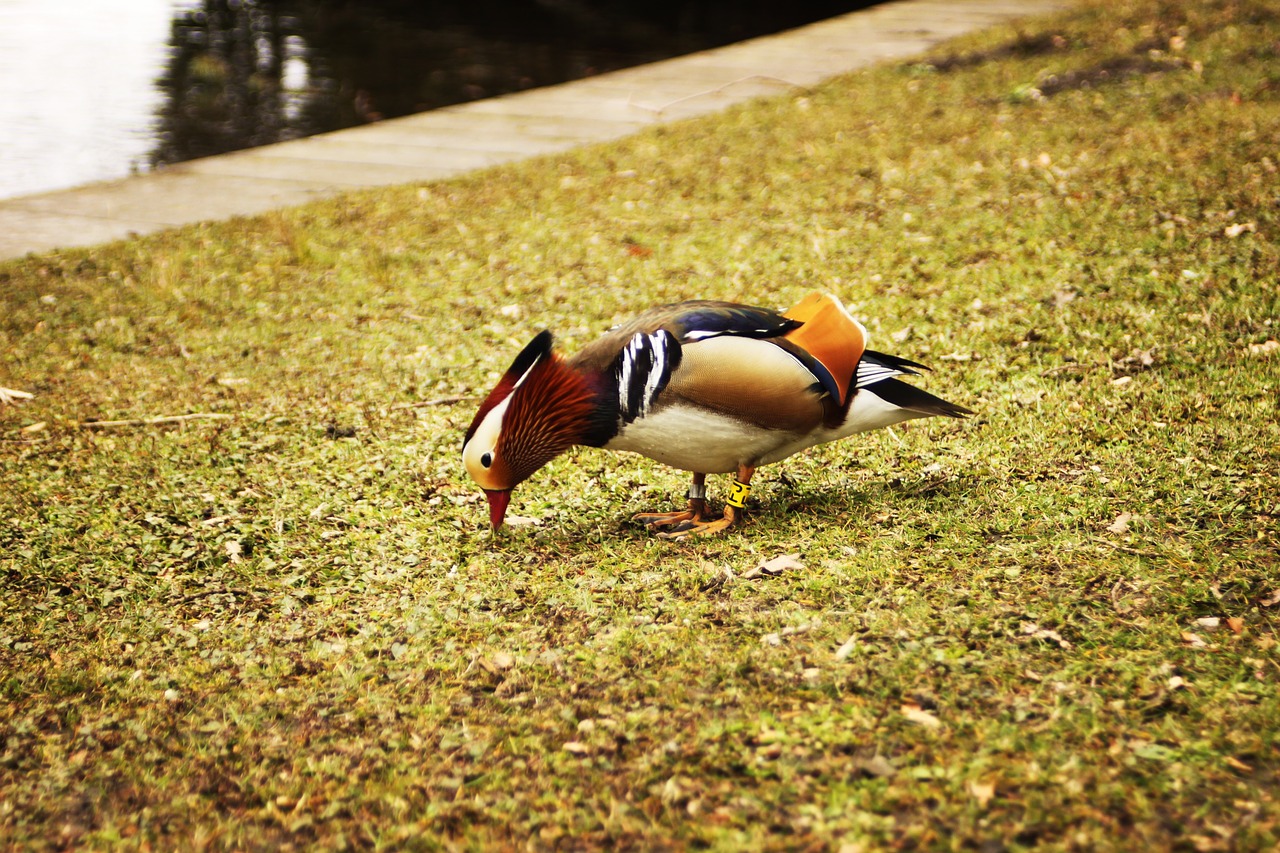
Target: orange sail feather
{"points": [[830, 335]]}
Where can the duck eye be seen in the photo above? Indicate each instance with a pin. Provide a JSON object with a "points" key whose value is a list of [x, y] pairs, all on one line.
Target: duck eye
{"points": [[486, 460]]}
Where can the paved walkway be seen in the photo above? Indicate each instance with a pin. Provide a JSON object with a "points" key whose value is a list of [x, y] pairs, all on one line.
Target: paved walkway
{"points": [[452, 140]]}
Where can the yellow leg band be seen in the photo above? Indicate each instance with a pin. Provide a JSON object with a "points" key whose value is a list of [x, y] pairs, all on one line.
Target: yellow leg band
{"points": [[738, 494]]}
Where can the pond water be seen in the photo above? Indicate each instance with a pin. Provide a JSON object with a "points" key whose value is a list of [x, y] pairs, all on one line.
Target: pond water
{"points": [[97, 89]]}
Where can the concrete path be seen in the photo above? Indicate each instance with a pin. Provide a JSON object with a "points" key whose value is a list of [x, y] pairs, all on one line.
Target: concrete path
{"points": [[452, 140]]}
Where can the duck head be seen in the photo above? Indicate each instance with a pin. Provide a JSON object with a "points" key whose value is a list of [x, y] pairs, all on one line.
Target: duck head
{"points": [[539, 409]]}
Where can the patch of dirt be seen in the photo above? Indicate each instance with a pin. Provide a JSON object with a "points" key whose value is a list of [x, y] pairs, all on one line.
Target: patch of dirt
{"points": [[1109, 71], [1145, 58], [1024, 45]]}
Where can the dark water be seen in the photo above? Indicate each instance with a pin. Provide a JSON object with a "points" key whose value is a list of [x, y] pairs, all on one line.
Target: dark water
{"points": [[249, 73], [92, 90]]}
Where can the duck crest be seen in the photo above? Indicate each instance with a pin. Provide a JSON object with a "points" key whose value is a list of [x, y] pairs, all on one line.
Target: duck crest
{"points": [[538, 349]]}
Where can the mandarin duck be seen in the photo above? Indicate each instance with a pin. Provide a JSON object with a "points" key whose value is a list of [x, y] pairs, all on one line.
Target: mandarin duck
{"points": [[708, 387]]}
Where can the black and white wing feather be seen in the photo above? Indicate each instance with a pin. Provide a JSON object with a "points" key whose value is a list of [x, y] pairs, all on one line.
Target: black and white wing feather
{"points": [[642, 370], [878, 372], [877, 366]]}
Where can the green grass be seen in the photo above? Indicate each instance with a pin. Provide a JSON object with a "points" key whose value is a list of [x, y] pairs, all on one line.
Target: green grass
{"points": [[291, 627]]}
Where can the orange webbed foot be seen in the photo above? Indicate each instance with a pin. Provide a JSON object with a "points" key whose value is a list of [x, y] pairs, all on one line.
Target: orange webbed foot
{"points": [[696, 522], [655, 521], [712, 527]]}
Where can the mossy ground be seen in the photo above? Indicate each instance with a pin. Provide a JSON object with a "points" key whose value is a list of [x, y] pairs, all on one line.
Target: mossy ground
{"points": [[1052, 625]]}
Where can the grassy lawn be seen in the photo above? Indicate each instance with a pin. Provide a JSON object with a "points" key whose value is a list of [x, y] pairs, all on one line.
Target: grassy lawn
{"points": [[1053, 625]]}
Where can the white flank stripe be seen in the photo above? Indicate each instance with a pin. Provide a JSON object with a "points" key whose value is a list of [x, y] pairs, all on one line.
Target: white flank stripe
{"points": [[624, 380], [655, 375]]}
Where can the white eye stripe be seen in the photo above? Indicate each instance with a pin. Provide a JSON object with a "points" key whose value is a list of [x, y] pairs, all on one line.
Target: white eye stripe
{"points": [[483, 444]]}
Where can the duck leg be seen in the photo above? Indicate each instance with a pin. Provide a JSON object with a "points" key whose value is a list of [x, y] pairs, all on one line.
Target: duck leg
{"points": [[734, 507], [695, 514]]}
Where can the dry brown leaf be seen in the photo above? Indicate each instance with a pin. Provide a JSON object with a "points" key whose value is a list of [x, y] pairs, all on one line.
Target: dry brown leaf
{"points": [[10, 395], [1121, 523], [982, 791], [1236, 763], [776, 638], [1264, 349], [847, 648], [522, 521], [1193, 640], [1136, 361], [920, 716], [776, 566], [1031, 629], [1209, 623], [877, 767], [1236, 624], [673, 790], [780, 564], [721, 576], [1271, 599], [576, 747]]}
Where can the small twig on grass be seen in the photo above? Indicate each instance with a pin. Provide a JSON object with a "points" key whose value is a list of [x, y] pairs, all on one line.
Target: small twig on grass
{"points": [[439, 401], [205, 593], [163, 419], [1065, 368], [1151, 555]]}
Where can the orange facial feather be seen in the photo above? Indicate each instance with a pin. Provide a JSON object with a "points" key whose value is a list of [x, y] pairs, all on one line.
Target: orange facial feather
{"points": [[546, 416]]}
